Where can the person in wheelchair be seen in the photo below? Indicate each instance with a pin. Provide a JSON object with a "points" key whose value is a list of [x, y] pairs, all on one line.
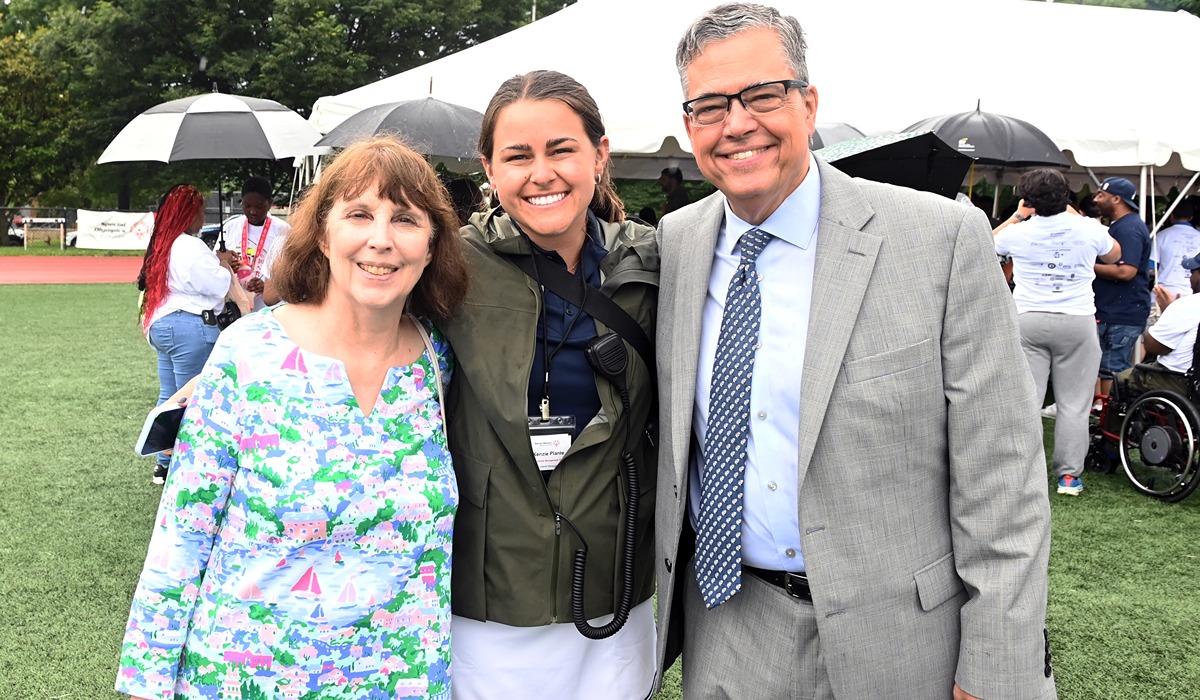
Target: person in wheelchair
{"points": [[1169, 344], [1149, 423]]}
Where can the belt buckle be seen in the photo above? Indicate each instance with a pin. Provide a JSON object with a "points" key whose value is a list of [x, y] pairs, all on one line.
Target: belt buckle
{"points": [[801, 590]]}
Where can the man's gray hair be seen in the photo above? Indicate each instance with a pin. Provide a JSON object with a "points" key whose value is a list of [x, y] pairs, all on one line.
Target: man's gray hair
{"points": [[723, 22]]}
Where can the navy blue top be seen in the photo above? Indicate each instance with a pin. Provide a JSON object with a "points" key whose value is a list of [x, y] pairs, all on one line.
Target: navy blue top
{"points": [[1127, 303], [572, 380]]}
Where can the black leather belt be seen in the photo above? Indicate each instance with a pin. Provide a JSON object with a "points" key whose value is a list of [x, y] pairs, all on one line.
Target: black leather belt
{"points": [[795, 585]]}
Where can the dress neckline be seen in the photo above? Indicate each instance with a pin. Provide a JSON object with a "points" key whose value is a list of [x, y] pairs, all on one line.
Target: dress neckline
{"points": [[388, 379]]}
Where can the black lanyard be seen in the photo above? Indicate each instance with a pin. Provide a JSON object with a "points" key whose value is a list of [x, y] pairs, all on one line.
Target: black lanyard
{"points": [[547, 354]]}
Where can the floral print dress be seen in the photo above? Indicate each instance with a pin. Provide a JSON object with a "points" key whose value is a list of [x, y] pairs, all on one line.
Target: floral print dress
{"points": [[301, 549]]}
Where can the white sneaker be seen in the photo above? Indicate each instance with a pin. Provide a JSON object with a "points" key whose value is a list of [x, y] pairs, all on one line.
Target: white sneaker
{"points": [[1050, 411]]}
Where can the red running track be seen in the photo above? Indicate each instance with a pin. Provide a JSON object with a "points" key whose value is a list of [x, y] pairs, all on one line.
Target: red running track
{"points": [[68, 270]]}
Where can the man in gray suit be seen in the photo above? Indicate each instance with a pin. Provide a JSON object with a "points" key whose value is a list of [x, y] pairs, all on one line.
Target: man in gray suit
{"points": [[868, 506]]}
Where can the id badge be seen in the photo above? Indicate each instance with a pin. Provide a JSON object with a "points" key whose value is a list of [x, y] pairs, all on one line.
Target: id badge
{"points": [[550, 438]]}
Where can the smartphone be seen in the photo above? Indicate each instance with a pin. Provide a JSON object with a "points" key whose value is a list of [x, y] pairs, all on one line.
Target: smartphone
{"points": [[159, 431]]}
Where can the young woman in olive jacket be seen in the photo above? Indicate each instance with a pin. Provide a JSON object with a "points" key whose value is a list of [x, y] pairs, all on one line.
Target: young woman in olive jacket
{"points": [[519, 522]]}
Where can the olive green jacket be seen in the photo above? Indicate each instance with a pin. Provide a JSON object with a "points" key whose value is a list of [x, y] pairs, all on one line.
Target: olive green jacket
{"points": [[512, 556]]}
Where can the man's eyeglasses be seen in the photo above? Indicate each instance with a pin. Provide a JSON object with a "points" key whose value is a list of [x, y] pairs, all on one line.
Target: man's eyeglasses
{"points": [[758, 99]]}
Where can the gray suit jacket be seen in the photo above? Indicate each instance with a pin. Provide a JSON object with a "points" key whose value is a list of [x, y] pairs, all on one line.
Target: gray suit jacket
{"points": [[926, 524]]}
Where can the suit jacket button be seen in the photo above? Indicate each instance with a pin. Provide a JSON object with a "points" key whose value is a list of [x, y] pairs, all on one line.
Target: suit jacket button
{"points": [[1048, 671]]}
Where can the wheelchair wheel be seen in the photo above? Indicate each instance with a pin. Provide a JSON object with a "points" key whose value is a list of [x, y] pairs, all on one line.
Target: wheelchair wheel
{"points": [[1102, 451], [1159, 447]]}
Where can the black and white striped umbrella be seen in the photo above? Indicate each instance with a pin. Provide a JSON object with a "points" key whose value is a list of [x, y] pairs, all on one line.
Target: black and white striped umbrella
{"points": [[213, 126]]}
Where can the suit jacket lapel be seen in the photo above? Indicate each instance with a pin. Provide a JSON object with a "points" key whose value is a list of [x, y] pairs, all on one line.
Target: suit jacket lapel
{"points": [[845, 257], [695, 249]]}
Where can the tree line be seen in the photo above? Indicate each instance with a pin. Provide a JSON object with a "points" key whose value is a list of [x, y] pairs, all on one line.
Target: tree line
{"points": [[73, 74]]}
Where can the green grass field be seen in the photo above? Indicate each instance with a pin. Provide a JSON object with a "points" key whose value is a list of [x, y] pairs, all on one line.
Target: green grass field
{"points": [[77, 378]]}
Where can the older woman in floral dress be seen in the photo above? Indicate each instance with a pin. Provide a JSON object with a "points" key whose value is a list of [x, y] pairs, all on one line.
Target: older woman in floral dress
{"points": [[303, 539]]}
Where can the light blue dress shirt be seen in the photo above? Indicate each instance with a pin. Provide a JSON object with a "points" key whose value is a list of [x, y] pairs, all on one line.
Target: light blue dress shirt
{"points": [[771, 522]]}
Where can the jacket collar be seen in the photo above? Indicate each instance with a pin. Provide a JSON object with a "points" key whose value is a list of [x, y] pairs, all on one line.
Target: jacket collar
{"points": [[630, 246]]}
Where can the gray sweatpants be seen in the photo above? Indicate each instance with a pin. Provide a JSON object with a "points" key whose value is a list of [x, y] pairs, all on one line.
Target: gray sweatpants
{"points": [[1064, 349]]}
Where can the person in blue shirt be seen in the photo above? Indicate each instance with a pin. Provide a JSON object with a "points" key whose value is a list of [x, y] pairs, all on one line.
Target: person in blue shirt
{"points": [[1122, 288]]}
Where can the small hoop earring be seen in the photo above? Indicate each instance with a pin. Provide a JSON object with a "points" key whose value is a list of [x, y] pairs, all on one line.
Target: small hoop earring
{"points": [[597, 178]]}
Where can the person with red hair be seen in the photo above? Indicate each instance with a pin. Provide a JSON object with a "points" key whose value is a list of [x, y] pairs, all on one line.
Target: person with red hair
{"points": [[181, 279]]}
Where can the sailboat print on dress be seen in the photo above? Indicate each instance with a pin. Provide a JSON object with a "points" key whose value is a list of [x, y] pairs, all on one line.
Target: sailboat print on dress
{"points": [[318, 614], [244, 373], [160, 561], [250, 591], [348, 596], [308, 586], [295, 361]]}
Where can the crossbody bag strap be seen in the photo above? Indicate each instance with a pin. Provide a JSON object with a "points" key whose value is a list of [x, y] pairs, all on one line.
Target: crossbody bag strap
{"points": [[598, 306], [437, 370]]}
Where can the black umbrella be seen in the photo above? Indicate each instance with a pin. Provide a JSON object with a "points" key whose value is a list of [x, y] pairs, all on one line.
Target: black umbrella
{"points": [[920, 160], [829, 134], [994, 139], [435, 128]]}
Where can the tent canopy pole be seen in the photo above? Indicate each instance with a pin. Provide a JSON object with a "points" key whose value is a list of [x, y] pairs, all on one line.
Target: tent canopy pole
{"points": [[1171, 209]]}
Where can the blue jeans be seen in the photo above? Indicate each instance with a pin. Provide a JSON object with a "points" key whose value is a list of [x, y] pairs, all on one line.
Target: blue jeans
{"points": [[183, 342], [1116, 346]]}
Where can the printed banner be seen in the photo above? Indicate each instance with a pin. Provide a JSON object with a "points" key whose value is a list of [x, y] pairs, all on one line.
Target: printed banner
{"points": [[114, 230]]}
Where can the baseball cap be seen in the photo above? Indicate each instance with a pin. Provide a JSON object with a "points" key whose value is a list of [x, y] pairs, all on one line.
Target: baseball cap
{"points": [[1192, 263], [1122, 188]]}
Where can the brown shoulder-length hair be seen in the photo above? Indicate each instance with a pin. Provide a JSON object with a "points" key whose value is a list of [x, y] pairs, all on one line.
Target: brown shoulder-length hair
{"points": [[552, 85], [301, 274]]}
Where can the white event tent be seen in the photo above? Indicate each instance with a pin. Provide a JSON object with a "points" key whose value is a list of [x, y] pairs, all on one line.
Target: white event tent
{"points": [[1107, 84]]}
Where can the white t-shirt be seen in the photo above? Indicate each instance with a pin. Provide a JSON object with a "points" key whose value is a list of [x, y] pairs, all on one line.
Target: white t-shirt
{"points": [[273, 249], [235, 227], [196, 282], [1053, 262], [1174, 243], [1176, 329]]}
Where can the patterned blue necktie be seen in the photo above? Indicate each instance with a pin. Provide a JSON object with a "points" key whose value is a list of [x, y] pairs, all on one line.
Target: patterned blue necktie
{"points": [[719, 536]]}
